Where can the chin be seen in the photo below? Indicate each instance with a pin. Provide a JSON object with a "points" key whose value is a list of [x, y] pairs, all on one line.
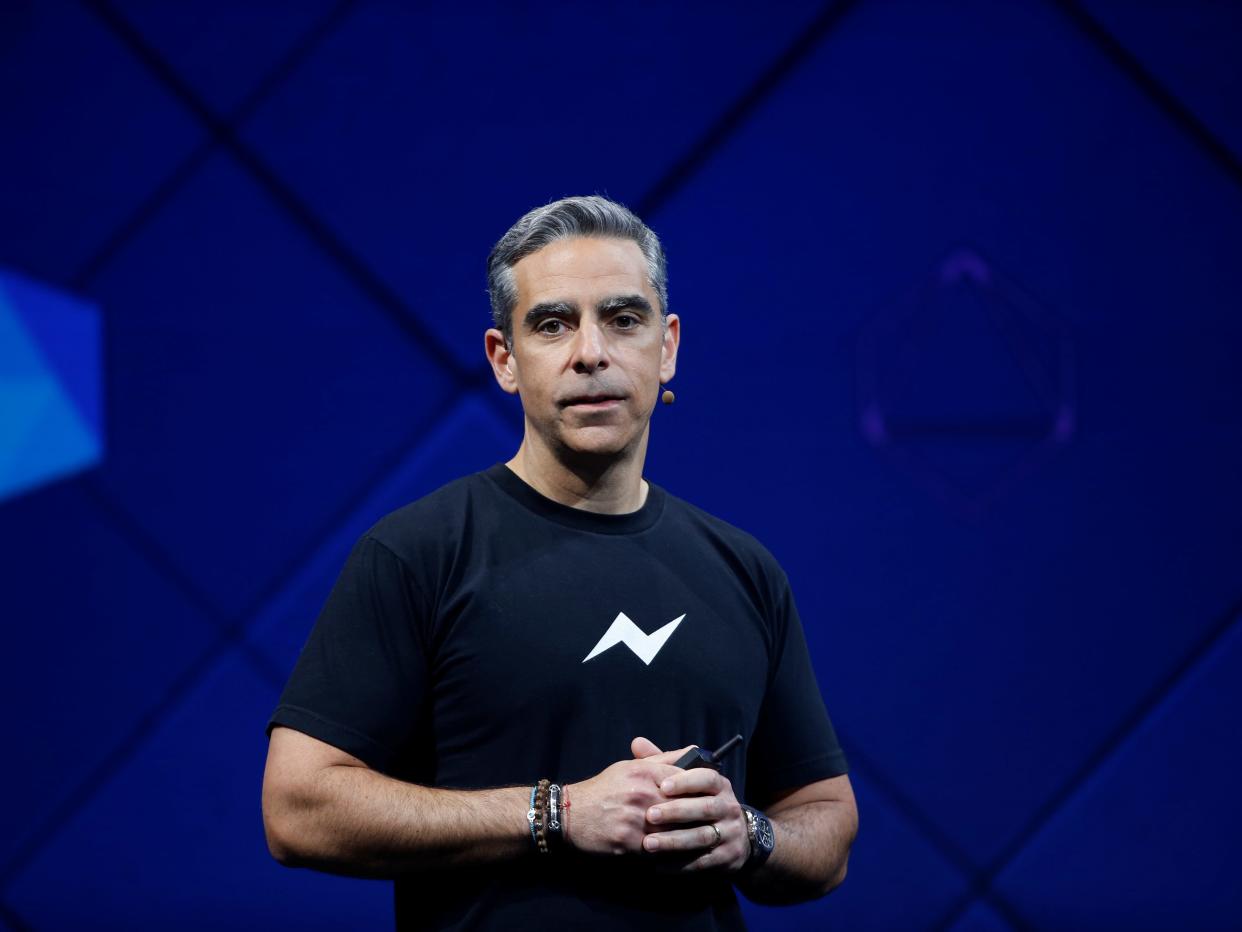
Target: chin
{"points": [[596, 441]]}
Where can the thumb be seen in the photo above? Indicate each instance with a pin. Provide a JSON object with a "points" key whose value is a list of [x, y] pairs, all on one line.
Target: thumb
{"points": [[643, 748]]}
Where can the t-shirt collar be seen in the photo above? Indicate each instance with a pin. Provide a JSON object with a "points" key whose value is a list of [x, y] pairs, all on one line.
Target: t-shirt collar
{"points": [[578, 518]]}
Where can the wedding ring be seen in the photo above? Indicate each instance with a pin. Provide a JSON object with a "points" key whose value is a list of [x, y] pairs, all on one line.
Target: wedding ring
{"points": [[712, 826]]}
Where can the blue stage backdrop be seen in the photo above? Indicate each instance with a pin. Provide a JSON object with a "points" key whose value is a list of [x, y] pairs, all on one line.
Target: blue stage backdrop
{"points": [[961, 295]]}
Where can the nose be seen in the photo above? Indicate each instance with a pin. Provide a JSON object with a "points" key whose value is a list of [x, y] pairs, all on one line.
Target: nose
{"points": [[590, 348]]}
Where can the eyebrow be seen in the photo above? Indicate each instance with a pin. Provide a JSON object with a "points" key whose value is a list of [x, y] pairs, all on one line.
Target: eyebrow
{"points": [[550, 309], [633, 302]]}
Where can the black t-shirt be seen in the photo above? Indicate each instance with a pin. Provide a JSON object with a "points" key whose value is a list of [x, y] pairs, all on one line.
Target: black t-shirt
{"points": [[487, 636]]}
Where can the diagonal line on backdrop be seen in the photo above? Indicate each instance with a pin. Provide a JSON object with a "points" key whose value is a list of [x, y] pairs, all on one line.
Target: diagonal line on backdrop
{"points": [[342, 513], [308, 43], [12, 920], [116, 759], [909, 810], [154, 202], [145, 546], [740, 111], [913, 814], [224, 135], [1173, 107], [1109, 747], [145, 213]]}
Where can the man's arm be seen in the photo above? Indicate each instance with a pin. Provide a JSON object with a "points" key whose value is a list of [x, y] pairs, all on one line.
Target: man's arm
{"points": [[814, 825], [326, 809]]}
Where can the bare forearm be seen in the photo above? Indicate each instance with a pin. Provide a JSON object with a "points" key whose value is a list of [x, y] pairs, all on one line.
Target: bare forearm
{"points": [[352, 820], [812, 846]]}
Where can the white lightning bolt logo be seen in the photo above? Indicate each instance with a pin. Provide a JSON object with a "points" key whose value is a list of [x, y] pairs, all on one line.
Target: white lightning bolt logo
{"points": [[624, 631]]}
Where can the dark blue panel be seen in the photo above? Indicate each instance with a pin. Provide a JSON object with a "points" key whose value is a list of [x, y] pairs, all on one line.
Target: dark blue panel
{"points": [[175, 839], [223, 49], [978, 660], [1151, 841], [1191, 49], [252, 390], [896, 880], [93, 637], [471, 437], [88, 135], [421, 137]]}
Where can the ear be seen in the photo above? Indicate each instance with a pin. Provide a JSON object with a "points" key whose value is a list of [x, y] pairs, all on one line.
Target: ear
{"points": [[500, 355], [668, 349]]}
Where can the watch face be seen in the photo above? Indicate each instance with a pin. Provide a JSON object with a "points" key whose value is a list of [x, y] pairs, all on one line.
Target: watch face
{"points": [[763, 833]]}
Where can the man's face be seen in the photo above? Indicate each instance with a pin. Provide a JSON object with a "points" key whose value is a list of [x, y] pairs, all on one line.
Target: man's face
{"points": [[589, 349]]}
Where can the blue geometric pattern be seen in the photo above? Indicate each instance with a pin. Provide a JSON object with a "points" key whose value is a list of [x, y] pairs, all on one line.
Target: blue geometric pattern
{"points": [[284, 210], [51, 385]]}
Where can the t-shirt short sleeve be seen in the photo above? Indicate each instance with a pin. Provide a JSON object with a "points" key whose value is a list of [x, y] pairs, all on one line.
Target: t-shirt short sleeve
{"points": [[794, 742], [361, 678]]}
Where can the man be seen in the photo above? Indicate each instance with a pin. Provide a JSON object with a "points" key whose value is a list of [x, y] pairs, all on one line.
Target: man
{"points": [[542, 619]]}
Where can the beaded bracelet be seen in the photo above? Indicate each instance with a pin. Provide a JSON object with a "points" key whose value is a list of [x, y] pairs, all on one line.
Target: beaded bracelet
{"points": [[541, 815]]}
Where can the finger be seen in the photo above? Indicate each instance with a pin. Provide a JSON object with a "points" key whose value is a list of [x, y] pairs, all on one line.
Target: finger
{"points": [[674, 862], [642, 748], [679, 862], [688, 809], [698, 781], [708, 860], [699, 838]]}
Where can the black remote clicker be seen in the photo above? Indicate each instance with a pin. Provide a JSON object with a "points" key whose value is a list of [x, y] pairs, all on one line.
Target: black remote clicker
{"points": [[697, 757]]}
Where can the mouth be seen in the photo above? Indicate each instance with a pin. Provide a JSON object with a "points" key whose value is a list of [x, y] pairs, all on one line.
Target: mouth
{"points": [[595, 401]]}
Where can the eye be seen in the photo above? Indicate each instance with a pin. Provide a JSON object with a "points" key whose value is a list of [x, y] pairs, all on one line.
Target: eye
{"points": [[551, 326], [626, 321]]}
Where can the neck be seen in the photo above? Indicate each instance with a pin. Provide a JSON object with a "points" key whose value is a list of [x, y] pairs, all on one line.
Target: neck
{"points": [[607, 484]]}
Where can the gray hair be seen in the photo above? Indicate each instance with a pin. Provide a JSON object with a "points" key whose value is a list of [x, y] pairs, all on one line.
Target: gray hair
{"points": [[568, 217]]}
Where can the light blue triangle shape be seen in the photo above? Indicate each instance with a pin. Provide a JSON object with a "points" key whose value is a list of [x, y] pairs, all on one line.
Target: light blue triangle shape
{"points": [[43, 438]]}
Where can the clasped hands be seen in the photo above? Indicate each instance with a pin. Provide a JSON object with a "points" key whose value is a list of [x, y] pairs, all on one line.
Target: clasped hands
{"points": [[648, 806]]}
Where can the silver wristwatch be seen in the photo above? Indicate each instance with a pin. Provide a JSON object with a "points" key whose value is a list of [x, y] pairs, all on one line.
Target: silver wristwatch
{"points": [[762, 838]]}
